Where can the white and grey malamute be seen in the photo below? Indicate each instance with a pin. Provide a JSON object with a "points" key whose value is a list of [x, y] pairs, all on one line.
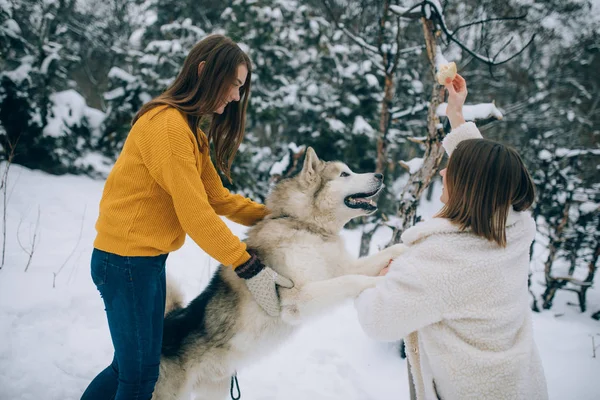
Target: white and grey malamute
{"points": [[224, 329]]}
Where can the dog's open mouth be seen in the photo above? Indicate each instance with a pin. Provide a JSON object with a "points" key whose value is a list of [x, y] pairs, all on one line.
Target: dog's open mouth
{"points": [[363, 201]]}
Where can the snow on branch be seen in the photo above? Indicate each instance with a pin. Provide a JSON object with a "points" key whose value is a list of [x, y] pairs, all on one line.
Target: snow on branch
{"points": [[562, 152], [412, 166], [474, 112], [409, 111], [118, 73], [400, 11], [283, 165], [546, 155]]}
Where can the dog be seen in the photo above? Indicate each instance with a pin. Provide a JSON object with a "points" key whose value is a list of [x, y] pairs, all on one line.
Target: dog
{"points": [[224, 329]]}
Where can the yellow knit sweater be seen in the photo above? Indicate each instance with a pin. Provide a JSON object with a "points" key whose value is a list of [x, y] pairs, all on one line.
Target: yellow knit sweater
{"points": [[162, 187]]}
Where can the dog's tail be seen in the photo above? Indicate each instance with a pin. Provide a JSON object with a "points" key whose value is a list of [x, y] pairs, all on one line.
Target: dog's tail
{"points": [[174, 298]]}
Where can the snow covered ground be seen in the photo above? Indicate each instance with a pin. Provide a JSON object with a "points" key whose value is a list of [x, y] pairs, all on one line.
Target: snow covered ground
{"points": [[54, 336]]}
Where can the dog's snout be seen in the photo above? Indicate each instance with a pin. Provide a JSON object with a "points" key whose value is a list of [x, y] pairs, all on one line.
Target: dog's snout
{"points": [[379, 177]]}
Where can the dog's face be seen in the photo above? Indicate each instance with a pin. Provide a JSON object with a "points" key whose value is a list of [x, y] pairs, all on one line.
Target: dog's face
{"points": [[326, 191]]}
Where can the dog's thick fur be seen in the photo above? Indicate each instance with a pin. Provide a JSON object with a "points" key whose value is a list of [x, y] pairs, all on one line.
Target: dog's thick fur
{"points": [[224, 329]]}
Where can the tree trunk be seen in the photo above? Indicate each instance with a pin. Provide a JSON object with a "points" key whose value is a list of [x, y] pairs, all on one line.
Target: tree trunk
{"points": [[434, 152], [592, 265], [429, 194], [365, 241], [552, 285], [384, 124]]}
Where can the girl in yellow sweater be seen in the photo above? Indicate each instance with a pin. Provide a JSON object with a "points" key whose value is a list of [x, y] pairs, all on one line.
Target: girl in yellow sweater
{"points": [[162, 187]]}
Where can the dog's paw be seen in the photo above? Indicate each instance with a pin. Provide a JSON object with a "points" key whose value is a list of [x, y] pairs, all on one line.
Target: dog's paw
{"points": [[371, 282], [290, 314], [396, 250]]}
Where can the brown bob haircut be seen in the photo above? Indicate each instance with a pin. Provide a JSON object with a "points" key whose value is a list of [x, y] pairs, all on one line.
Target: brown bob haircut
{"points": [[484, 179], [197, 95]]}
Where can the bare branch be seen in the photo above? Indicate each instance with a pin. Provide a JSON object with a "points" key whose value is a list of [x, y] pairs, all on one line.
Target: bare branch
{"points": [[33, 240], [418, 140], [397, 114], [503, 47], [450, 35], [382, 53], [358, 40], [397, 56], [407, 12], [4, 187], [401, 12], [72, 251], [483, 21]]}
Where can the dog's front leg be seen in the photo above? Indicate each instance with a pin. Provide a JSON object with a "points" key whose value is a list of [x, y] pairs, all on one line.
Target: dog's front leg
{"points": [[373, 264], [299, 304]]}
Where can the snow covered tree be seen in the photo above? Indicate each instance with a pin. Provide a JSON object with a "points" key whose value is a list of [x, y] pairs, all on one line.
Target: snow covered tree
{"points": [[552, 118], [308, 85], [570, 220], [53, 127], [388, 30]]}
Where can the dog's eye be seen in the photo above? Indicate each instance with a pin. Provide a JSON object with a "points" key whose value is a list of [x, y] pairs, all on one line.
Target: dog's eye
{"points": [[344, 174]]}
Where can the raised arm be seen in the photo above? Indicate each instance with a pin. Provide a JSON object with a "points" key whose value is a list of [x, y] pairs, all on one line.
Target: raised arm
{"points": [[461, 130]]}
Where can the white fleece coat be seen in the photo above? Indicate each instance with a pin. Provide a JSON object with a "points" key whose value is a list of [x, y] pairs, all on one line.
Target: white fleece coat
{"points": [[462, 305]]}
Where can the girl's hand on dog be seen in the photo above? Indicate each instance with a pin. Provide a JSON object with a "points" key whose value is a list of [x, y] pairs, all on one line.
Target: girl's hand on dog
{"points": [[457, 94]]}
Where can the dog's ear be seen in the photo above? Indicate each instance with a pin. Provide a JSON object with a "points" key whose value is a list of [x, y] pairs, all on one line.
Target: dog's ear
{"points": [[311, 163]]}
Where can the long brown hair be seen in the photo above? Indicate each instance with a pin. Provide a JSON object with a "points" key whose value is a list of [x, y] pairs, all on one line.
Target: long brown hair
{"points": [[484, 179], [197, 95]]}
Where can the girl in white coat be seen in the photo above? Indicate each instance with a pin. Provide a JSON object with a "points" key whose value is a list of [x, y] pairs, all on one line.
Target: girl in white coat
{"points": [[458, 295]]}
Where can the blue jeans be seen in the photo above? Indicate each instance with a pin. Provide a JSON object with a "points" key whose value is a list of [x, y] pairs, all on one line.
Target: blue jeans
{"points": [[133, 290]]}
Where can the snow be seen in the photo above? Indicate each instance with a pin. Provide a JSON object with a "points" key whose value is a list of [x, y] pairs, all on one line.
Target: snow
{"points": [[372, 80], [361, 126], [97, 161], [163, 46], [53, 341], [68, 109], [11, 28], [545, 155], [280, 166], [135, 40], [114, 94], [398, 10], [353, 99], [20, 73], [53, 56], [589, 207], [417, 86], [563, 152], [474, 112], [438, 6], [336, 124], [410, 111], [439, 58], [118, 73], [413, 165]]}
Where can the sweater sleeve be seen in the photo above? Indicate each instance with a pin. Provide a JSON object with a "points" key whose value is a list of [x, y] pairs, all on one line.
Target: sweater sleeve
{"points": [[402, 303], [180, 178], [235, 207], [168, 153], [468, 130]]}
